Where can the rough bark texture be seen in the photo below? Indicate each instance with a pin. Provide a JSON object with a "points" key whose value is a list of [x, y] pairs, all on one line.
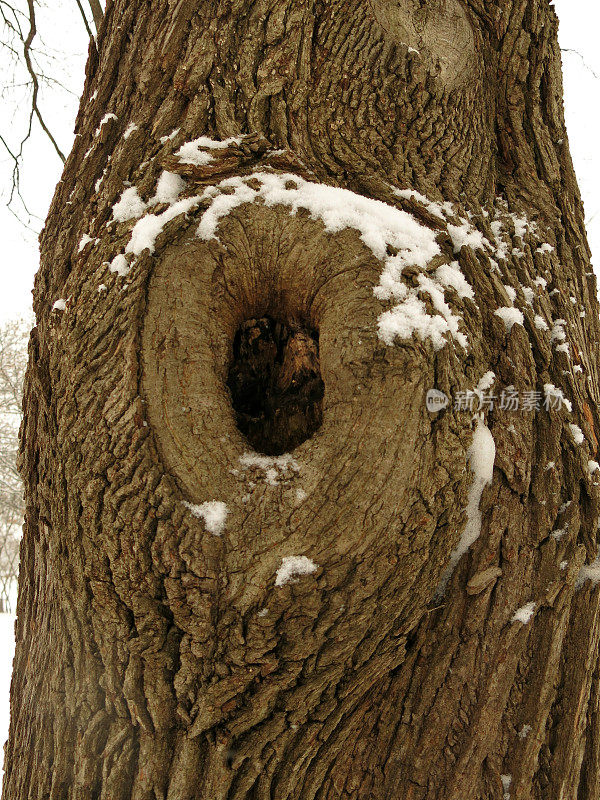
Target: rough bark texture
{"points": [[158, 660]]}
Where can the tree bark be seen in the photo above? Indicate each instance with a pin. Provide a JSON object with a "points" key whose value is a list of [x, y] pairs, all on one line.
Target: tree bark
{"points": [[438, 638]]}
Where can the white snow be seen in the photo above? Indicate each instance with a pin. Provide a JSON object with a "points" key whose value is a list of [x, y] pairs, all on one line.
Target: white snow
{"points": [[541, 282], [558, 331], [529, 295], [106, 118], [85, 240], [274, 467], [522, 225], [213, 512], [524, 614], [466, 235], [576, 433], [593, 466], [130, 206], [525, 731], [130, 129], [392, 235], [540, 323], [449, 275], [481, 456], [545, 248], [589, 572], [148, 228], [195, 152], [120, 265], [169, 187], [294, 567], [506, 782], [59, 305], [382, 228], [410, 317], [486, 382], [170, 136], [437, 209], [555, 395], [510, 317], [511, 292]]}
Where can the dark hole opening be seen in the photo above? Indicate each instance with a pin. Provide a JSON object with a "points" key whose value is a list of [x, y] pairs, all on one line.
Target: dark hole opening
{"points": [[275, 384]]}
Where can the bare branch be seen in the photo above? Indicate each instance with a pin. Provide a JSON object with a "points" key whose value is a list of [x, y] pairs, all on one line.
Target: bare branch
{"points": [[34, 79], [85, 22], [97, 13], [584, 62]]}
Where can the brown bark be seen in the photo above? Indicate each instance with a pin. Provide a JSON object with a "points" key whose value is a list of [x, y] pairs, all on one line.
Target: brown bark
{"points": [[156, 659]]}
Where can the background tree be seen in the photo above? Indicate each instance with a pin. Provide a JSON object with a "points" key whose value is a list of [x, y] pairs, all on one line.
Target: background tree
{"points": [[379, 614], [13, 361], [29, 67]]}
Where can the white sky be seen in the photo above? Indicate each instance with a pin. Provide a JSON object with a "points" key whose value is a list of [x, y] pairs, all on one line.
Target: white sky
{"points": [[66, 41]]}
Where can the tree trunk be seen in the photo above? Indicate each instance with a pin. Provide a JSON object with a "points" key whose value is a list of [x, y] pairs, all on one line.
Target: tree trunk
{"points": [[205, 615]]}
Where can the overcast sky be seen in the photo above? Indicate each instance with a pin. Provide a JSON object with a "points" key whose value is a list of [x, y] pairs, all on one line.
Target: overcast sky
{"points": [[66, 45]]}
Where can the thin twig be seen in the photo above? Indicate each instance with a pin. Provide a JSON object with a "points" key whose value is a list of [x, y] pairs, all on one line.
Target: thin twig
{"points": [[585, 64], [85, 22], [34, 80]]}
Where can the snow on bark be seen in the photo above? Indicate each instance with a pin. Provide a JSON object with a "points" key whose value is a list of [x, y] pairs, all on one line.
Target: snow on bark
{"points": [[294, 567], [214, 513], [524, 614], [130, 206], [481, 456]]}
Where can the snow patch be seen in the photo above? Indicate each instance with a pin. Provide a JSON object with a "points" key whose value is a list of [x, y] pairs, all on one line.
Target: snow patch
{"points": [[195, 152], [59, 305], [525, 731], [481, 456], [576, 433], [146, 231], [130, 206], [466, 235], [510, 317], [450, 276], [558, 331], [274, 467], [106, 118], [524, 614], [85, 240], [169, 187], [511, 292], [392, 235], [292, 568], [120, 265], [170, 136], [130, 129], [555, 396], [589, 572], [213, 512]]}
